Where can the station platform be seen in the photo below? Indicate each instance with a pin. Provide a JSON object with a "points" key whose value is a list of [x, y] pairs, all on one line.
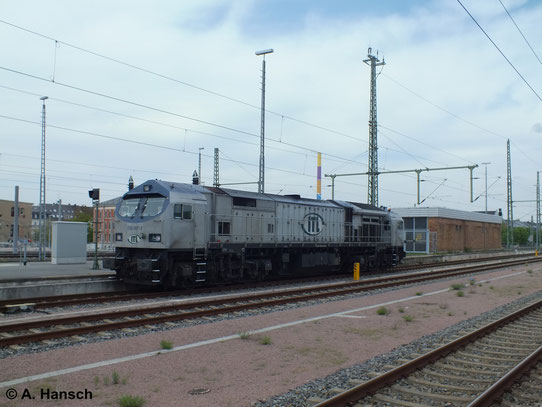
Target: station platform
{"points": [[16, 272]]}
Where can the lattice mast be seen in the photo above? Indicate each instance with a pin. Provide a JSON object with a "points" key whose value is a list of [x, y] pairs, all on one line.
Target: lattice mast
{"points": [[41, 223], [510, 221], [372, 185], [216, 173], [538, 210]]}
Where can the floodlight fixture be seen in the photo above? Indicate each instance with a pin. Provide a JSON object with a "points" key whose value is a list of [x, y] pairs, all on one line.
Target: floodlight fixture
{"points": [[265, 51], [44, 98]]}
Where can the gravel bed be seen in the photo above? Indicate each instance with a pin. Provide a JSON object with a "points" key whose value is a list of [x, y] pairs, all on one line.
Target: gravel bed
{"points": [[116, 334], [321, 387]]}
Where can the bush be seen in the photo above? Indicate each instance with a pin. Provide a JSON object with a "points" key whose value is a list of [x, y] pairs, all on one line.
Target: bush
{"points": [[166, 344], [115, 378], [266, 340], [408, 318], [460, 293], [457, 286], [382, 311], [131, 401]]}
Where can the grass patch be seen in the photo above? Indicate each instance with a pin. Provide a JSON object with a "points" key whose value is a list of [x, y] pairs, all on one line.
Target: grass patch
{"points": [[408, 318], [115, 378], [443, 306], [491, 287], [96, 380], [460, 293], [106, 380], [166, 344], [530, 271], [244, 335], [266, 340], [458, 286], [131, 401], [382, 311], [401, 310], [419, 293]]}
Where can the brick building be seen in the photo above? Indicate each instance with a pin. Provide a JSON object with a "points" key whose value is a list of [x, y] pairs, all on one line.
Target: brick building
{"points": [[106, 224], [431, 230], [7, 216]]}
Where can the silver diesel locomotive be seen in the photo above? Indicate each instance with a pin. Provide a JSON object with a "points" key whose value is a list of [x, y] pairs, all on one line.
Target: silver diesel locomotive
{"points": [[181, 235]]}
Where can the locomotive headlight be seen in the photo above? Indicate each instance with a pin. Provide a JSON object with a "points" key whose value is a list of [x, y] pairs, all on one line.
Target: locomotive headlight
{"points": [[155, 237], [118, 237]]}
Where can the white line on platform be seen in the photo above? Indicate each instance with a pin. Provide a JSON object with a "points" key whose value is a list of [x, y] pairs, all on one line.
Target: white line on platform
{"points": [[223, 338]]}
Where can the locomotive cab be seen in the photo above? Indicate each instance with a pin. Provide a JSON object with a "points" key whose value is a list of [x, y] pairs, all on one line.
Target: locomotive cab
{"points": [[151, 220]]}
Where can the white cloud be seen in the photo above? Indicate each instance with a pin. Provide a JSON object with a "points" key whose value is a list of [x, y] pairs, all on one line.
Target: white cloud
{"points": [[315, 75]]}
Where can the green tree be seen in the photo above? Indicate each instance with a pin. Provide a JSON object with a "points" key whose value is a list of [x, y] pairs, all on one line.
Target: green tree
{"points": [[521, 235], [85, 217]]}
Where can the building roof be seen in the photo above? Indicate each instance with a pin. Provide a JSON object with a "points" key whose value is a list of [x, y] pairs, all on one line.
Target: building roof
{"points": [[111, 202], [447, 213]]}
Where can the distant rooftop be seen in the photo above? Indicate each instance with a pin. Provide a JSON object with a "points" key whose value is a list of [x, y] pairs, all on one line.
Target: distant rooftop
{"points": [[447, 213]]}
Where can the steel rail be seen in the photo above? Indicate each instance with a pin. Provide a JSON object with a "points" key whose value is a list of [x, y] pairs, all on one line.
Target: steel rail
{"points": [[78, 299], [299, 294], [249, 302], [495, 392], [373, 385]]}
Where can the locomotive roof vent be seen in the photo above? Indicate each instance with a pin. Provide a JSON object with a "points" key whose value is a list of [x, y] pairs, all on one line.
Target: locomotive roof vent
{"points": [[294, 196]]}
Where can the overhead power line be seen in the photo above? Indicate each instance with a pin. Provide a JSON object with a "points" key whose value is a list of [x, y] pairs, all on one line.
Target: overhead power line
{"points": [[169, 78], [498, 49], [314, 152], [509, 15]]}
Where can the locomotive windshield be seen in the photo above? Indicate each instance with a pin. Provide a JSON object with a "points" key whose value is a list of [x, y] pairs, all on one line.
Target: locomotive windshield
{"points": [[152, 206], [146, 206], [128, 207]]}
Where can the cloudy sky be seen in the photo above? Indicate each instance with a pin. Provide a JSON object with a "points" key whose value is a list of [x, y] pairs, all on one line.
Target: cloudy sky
{"points": [[136, 88]]}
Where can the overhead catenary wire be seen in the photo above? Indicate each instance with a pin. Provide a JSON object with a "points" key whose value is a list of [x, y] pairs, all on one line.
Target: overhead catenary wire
{"points": [[521, 32], [201, 88], [330, 156], [502, 53], [227, 97]]}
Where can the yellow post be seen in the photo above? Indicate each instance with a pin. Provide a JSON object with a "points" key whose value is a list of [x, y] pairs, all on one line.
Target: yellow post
{"points": [[356, 271], [536, 253]]}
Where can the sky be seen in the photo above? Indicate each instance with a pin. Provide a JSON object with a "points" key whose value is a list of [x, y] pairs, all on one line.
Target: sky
{"points": [[136, 89]]}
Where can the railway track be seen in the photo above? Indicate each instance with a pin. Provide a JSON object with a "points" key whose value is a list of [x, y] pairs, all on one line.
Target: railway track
{"points": [[97, 298], [473, 370], [102, 322], [79, 299]]}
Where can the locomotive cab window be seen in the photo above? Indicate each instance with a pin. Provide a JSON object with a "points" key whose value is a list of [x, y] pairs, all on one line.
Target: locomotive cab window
{"points": [[129, 207], [152, 206], [224, 228], [181, 211]]}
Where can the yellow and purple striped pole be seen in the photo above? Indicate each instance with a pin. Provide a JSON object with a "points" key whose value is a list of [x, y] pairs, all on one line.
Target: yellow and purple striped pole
{"points": [[319, 178]]}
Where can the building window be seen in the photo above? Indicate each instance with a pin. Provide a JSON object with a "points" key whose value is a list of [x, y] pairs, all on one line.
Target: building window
{"points": [[224, 228]]}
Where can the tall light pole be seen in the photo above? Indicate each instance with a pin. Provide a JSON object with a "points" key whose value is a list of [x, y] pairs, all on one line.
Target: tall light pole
{"points": [[41, 253], [261, 175], [199, 162], [485, 164]]}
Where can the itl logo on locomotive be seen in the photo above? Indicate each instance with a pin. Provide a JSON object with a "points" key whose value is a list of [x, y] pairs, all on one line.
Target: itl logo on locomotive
{"points": [[313, 224]]}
